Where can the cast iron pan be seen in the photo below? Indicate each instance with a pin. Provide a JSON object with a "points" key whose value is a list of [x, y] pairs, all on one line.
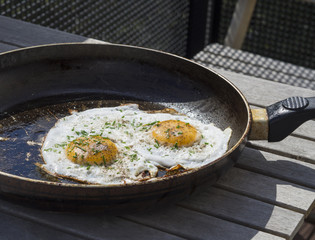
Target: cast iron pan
{"points": [[40, 84]]}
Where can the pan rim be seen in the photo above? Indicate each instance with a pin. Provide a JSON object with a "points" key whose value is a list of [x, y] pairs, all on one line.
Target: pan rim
{"points": [[154, 180]]}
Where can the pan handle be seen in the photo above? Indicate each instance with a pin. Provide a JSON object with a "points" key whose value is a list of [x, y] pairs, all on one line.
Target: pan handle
{"points": [[282, 118]]}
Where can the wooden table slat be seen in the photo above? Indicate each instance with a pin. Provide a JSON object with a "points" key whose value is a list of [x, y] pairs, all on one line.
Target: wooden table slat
{"points": [[291, 146], [268, 189], [267, 95], [28, 34], [272, 92], [17, 228], [20, 33], [172, 222], [287, 169], [193, 225], [85, 225], [246, 211]]}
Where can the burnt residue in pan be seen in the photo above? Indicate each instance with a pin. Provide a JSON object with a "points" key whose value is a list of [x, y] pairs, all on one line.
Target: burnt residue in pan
{"points": [[22, 134]]}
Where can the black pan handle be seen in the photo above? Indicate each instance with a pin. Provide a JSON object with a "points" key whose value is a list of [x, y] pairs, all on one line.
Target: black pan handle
{"points": [[287, 115]]}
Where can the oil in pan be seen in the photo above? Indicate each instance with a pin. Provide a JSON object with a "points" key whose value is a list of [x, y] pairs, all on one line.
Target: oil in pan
{"points": [[22, 134]]}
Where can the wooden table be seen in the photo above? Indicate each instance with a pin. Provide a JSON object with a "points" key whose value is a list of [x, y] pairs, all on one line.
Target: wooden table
{"points": [[267, 195]]}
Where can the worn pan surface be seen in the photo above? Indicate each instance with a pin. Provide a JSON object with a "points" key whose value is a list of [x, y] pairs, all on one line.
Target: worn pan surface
{"points": [[38, 85]]}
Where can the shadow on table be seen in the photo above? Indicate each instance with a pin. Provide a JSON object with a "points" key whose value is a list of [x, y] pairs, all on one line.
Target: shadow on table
{"points": [[248, 193], [228, 210], [252, 199]]}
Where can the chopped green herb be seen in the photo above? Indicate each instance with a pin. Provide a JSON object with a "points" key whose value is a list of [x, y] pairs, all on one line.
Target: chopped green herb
{"points": [[157, 145], [63, 144], [144, 129], [152, 123], [134, 157], [84, 133], [139, 125], [132, 123], [95, 151], [81, 148]]}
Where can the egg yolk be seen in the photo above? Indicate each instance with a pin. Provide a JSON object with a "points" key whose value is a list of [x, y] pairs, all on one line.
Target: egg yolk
{"points": [[92, 150], [175, 133]]}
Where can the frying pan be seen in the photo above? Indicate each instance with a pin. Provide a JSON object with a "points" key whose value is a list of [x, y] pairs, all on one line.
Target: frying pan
{"points": [[40, 84]]}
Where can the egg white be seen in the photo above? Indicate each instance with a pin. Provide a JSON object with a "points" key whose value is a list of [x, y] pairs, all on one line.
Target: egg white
{"points": [[129, 128]]}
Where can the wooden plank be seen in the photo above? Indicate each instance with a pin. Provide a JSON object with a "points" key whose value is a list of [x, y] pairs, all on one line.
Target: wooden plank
{"points": [[30, 34], [85, 225], [13, 228], [305, 130], [193, 225], [167, 223], [246, 211], [268, 189], [257, 95], [239, 24], [273, 165], [276, 92], [291, 146]]}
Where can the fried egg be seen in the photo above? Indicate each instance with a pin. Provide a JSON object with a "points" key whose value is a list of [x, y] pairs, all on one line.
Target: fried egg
{"points": [[121, 145]]}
